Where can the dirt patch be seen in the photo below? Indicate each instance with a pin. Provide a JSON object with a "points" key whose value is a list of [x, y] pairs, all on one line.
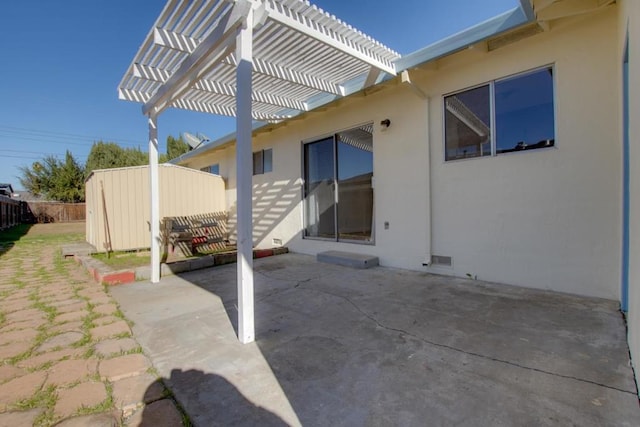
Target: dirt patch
{"points": [[56, 228]]}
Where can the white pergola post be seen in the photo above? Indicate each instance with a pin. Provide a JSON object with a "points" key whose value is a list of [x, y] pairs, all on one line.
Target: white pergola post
{"points": [[244, 173], [155, 198]]}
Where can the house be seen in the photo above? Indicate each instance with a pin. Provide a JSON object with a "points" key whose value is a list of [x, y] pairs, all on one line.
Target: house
{"points": [[6, 190], [505, 153]]}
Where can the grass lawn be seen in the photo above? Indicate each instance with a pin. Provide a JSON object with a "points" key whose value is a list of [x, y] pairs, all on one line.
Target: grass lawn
{"points": [[123, 260]]}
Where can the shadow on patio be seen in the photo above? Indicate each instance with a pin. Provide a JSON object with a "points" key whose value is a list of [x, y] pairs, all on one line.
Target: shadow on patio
{"points": [[337, 346]]}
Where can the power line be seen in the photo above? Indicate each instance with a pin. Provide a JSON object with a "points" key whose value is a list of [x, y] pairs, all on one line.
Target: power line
{"points": [[31, 152], [45, 140], [12, 131], [22, 157]]}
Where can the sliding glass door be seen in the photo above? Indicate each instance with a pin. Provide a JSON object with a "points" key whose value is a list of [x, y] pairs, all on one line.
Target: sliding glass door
{"points": [[319, 185], [338, 189]]}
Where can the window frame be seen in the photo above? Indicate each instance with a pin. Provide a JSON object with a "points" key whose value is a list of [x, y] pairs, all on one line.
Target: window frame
{"points": [[262, 170], [208, 169], [333, 135], [492, 112]]}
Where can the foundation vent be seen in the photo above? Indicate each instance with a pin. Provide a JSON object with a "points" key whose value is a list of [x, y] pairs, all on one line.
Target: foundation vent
{"points": [[441, 260]]}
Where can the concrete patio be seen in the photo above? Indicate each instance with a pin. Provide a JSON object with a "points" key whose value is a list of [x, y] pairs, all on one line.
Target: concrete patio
{"points": [[337, 346]]}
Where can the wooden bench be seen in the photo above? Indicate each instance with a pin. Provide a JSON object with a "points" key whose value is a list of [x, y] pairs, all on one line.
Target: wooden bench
{"points": [[183, 236]]}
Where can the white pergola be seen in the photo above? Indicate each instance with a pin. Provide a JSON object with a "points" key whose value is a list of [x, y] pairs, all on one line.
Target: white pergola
{"points": [[263, 60]]}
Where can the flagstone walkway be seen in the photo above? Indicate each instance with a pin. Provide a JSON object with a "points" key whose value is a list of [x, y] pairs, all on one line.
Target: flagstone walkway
{"points": [[67, 354]]}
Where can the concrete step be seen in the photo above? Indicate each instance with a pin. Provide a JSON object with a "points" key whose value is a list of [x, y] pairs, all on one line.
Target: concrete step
{"points": [[348, 259]]}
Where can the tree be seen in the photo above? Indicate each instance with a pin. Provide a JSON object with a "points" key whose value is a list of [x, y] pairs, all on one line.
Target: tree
{"points": [[68, 182], [55, 179], [108, 155], [176, 147]]}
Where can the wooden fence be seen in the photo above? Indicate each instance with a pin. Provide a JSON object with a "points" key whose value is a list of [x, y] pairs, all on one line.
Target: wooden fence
{"points": [[43, 212], [10, 212]]}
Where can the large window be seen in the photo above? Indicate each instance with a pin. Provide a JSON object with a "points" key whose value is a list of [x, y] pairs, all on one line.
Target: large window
{"points": [[338, 191], [511, 114]]}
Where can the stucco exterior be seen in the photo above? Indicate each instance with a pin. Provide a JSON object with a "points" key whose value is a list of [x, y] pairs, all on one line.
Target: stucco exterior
{"points": [[629, 29], [547, 218], [118, 209]]}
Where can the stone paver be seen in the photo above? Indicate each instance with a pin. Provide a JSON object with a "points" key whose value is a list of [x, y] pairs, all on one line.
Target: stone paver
{"points": [[110, 330], [72, 307], [41, 293], [63, 340], [105, 320], [8, 372], [107, 348], [71, 316], [52, 356], [105, 308], [95, 420], [24, 418], [70, 371], [18, 335], [123, 367], [20, 388], [85, 395], [67, 327], [162, 413], [21, 315], [131, 393], [25, 324], [14, 349]]}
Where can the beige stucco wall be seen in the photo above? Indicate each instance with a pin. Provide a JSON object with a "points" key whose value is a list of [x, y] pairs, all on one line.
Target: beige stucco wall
{"points": [[183, 191], [400, 156], [547, 219], [630, 21]]}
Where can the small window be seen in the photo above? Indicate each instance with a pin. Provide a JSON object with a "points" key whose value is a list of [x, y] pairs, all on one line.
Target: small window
{"points": [[214, 169], [262, 161], [507, 115]]}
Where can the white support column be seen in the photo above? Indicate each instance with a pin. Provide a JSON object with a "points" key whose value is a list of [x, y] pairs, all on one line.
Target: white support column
{"points": [[244, 171], [155, 199]]}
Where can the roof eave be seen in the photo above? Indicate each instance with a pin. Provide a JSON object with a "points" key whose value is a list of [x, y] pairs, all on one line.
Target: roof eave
{"points": [[509, 20]]}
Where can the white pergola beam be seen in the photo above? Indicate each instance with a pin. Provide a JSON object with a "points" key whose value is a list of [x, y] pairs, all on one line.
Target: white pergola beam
{"points": [[160, 75], [186, 103], [175, 41], [185, 44], [204, 107], [372, 76], [208, 53], [244, 191], [327, 35]]}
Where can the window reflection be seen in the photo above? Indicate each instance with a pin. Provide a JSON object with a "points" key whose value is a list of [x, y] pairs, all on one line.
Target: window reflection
{"points": [[524, 116], [468, 132], [524, 112]]}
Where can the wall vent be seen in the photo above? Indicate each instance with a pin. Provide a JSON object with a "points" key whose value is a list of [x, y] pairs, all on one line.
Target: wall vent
{"points": [[441, 260], [276, 242]]}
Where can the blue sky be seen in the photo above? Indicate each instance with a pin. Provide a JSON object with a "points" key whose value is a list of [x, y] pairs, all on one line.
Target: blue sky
{"points": [[62, 61]]}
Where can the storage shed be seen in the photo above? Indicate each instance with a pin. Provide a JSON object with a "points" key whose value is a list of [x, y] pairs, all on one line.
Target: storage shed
{"points": [[117, 202]]}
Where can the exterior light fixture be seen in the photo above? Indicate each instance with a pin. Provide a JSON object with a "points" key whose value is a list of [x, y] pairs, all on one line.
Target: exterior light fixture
{"points": [[385, 123]]}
